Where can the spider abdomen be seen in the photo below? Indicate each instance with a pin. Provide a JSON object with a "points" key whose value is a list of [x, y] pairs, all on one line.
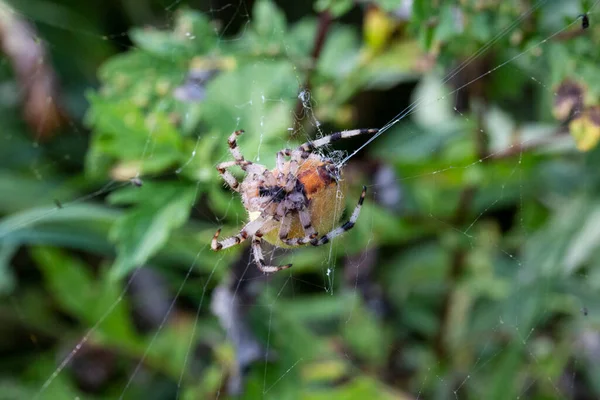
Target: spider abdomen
{"points": [[315, 189]]}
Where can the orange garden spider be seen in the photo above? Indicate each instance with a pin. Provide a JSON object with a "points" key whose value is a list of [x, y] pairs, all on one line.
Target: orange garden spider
{"points": [[289, 205]]}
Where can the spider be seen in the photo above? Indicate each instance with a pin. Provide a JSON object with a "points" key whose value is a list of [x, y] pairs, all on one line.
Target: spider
{"points": [[289, 205]]}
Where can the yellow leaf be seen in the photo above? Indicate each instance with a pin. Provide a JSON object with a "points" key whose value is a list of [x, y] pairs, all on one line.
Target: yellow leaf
{"points": [[378, 28], [585, 128], [325, 370]]}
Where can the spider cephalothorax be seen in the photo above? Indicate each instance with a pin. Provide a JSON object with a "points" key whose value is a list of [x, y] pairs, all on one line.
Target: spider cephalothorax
{"points": [[289, 205]]}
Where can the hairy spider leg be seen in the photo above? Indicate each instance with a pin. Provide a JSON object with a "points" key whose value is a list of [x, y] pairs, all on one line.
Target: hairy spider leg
{"points": [[284, 228], [346, 226], [246, 165], [237, 154], [230, 179], [292, 175], [307, 147], [280, 161], [292, 170], [252, 228], [233, 147], [228, 176], [260, 261], [309, 231]]}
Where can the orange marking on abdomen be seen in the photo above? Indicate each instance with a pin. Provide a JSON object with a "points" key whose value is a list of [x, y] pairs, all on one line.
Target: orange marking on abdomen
{"points": [[314, 181]]}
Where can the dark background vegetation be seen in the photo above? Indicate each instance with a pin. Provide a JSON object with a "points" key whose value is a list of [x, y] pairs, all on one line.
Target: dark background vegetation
{"points": [[473, 269]]}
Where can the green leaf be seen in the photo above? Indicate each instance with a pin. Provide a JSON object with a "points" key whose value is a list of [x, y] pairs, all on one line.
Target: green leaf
{"points": [[361, 329], [143, 231], [337, 8], [267, 33], [90, 300], [266, 122], [362, 387], [340, 54], [504, 383], [74, 219], [7, 278], [31, 192], [449, 25], [390, 5], [70, 281], [124, 133], [191, 36], [269, 20], [573, 236], [585, 243]]}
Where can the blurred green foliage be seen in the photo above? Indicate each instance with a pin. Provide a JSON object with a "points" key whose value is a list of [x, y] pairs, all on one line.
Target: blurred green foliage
{"points": [[480, 281]]}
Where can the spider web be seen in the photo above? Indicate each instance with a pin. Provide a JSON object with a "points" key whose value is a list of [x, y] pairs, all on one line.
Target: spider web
{"points": [[334, 325]]}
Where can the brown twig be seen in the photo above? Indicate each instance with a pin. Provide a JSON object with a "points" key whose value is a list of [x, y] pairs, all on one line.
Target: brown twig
{"points": [[33, 71], [320, 37], [572, 33]]}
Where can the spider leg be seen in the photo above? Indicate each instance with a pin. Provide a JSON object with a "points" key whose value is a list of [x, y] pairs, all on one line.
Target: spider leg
{"points": [[284, 229], [290, 181], [252, 228], [311, 145], [246, 165], [281, 158], [346, 226], [260, 261], [235, 151], [252, 168], [309, 231], [255, 169], [227, 176]]}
